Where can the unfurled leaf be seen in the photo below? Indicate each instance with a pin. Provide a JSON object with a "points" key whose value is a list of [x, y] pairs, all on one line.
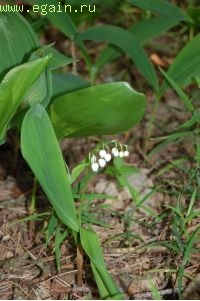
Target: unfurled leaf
{"points": [[99, 110], [41, 150]]}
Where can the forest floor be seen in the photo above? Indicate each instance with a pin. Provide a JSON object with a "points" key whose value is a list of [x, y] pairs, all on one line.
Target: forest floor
{"points": [[132, 236]]}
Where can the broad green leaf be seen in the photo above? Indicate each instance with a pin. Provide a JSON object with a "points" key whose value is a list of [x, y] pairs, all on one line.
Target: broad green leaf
{"points": [[91, 246], [143, 32], [126, 41], [57, 15], [99, 110], [14, 86], [41, 150], [18, 40], [187, 63], [160, 6], [65, 83]]}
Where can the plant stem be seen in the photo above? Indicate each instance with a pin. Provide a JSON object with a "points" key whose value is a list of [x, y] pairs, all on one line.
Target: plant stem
{"points": [[34, 190], [31, 209], [79, 265], [88, 62], [73, 53]]}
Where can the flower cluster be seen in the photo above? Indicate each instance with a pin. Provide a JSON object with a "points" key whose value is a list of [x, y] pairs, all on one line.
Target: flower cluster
{"points": [[102, 156]]}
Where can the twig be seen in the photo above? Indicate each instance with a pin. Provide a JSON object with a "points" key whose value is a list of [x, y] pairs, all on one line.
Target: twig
{"points": [[145, 295]]}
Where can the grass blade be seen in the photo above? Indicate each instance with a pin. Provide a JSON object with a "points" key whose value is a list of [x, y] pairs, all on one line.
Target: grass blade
{"points": [[186, 101]]}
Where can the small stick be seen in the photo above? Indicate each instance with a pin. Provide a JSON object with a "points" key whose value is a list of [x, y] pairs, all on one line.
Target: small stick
{"points": [[145, 295]]}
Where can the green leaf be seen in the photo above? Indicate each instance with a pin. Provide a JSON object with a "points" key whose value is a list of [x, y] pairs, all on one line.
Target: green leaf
{"points": [[194, 13], [60, 236], [65, 83], [14, 86], [52, 223], [160, 6], [99, 110], [18, 40], [191, 205], [186, 101], [60, 18], [77, 170], [146, 30], [153, 287], [190, 244], [126, 41], [58, 59], [41, 150], [186, 64], [91, 246], [143, 32], [40, 91], [169, 139]]}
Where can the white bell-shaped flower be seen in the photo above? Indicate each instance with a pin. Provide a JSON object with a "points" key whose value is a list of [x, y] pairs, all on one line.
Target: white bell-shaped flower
{"points": [[93, 159], [102, 162], [121, 154], [95, 166], [102, 153], [126, 153], [115, 152], [107, 157]]}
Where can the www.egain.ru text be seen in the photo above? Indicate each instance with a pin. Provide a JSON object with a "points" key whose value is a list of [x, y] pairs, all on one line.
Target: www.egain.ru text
{"points": [[44, 9]]}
